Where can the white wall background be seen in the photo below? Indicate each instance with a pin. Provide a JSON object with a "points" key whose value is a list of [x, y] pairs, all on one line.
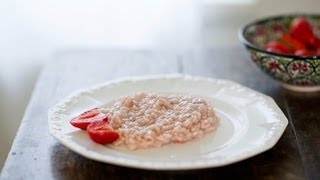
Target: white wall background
{"points": [[30, 31]]}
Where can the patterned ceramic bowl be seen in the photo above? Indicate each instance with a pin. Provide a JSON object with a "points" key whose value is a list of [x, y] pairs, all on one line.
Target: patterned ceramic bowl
{"points": [[294, 72]]}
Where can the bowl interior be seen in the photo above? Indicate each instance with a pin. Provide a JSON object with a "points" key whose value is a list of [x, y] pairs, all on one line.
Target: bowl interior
{"points": [[260, 32]]}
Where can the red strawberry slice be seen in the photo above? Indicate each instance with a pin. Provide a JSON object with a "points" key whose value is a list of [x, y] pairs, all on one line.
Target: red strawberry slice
{"points": [[301, 30], [101, 132], [303, 52], [84, 119], [291, 42], [318, 52], [317, 43], [275, 46]]}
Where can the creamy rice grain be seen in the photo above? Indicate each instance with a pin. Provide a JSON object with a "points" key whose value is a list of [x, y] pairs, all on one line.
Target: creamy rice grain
{"points": [[152, 120]]}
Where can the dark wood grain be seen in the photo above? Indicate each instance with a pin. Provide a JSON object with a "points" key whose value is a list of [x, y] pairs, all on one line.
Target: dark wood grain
{"points": [[304, 116], [37, 155]]}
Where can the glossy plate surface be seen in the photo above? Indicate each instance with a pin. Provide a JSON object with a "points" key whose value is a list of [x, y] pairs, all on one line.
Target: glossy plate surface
{"points": [[250, 123]]}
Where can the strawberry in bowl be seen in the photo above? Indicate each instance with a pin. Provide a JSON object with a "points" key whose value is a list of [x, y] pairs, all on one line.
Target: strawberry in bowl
{"points": [[287, 48]]}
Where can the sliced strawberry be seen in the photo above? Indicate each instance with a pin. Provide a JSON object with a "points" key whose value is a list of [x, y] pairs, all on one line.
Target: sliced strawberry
{"points": [[90, 113], [275, 46], [301, 30], [317, 43], [318, 52], [303, 52], [101, 132], [291, 42], [84, 119]]}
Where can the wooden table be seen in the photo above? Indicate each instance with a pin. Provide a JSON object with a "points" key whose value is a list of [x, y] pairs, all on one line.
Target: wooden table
{"points": [[35, 154]]}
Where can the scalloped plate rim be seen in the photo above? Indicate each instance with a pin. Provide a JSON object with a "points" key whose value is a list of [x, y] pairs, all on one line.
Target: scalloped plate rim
{"points": [[155, 165]]}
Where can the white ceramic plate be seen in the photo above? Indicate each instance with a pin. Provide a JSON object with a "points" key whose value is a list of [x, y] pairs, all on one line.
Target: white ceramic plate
{"points": [[250, 123]]}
